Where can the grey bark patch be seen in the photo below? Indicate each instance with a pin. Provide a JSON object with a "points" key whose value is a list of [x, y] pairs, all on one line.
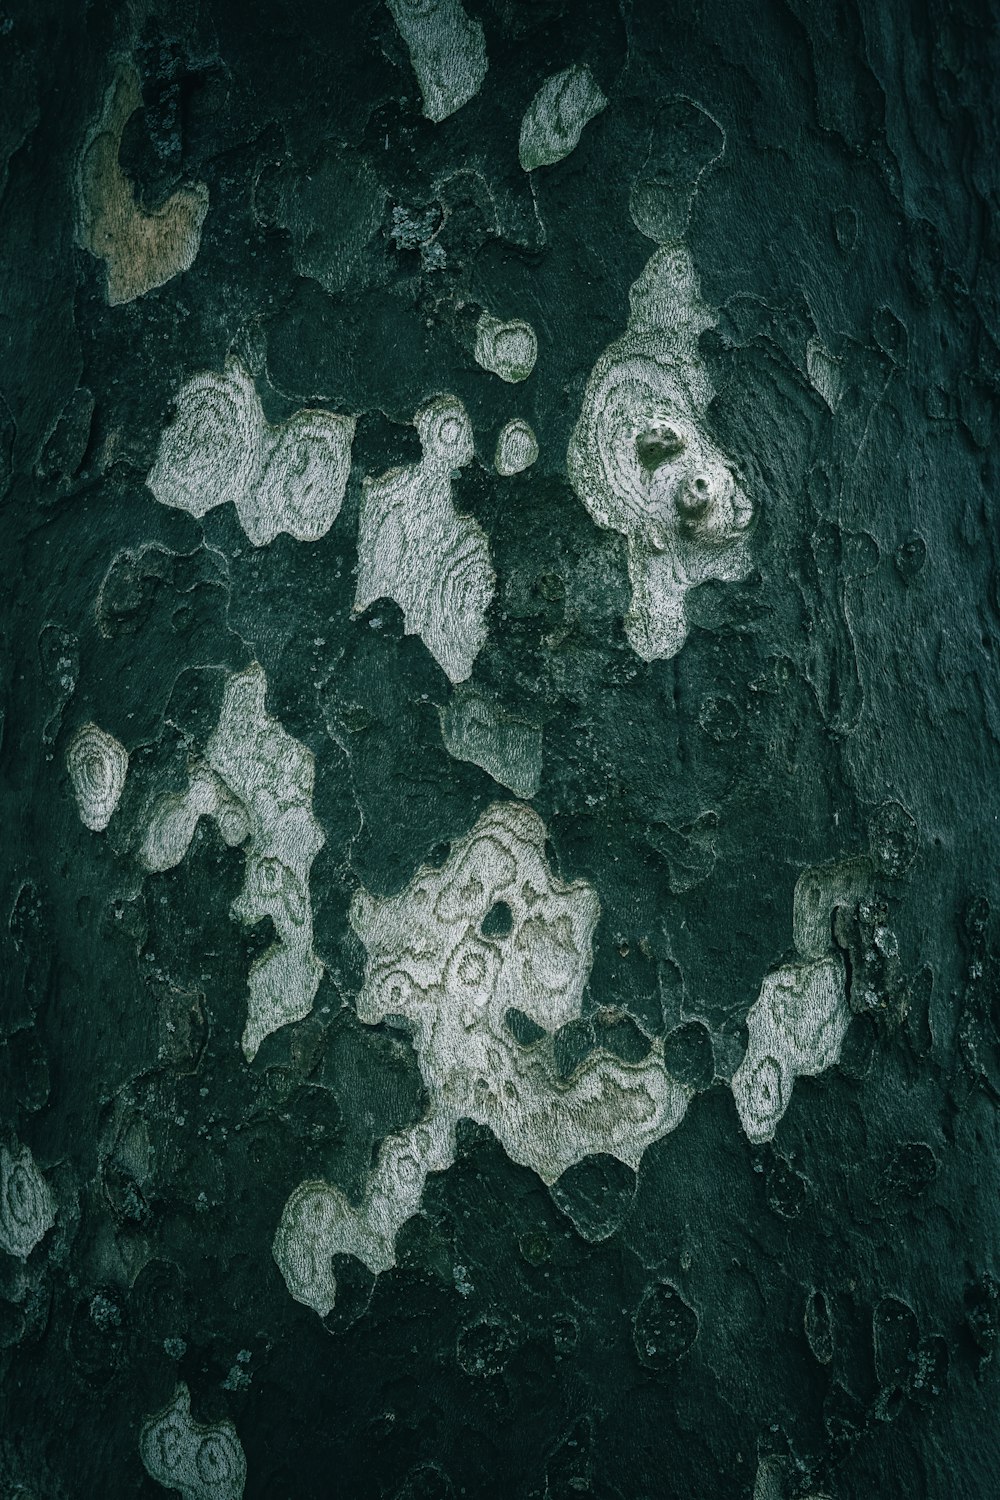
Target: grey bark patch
{"points": [[665, 1326], [688, 1055], [508, 748], [685, 141], [333, 212], [819, 1326], [595, 1194]]}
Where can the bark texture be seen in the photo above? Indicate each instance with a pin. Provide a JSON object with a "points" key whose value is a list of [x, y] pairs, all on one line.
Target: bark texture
{"points": [[303, 308]]}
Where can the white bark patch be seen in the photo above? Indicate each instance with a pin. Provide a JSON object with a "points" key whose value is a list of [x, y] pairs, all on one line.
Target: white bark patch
{"points": [[256, 782], [517, 448], [796, 1026], [27, 1208], [508, 349], [98, 767], [447, 51], [219, 447], [203, 1462], [642, 464], [555, 118], [435, 960], [140, 250], [415, 548], [824, 372], [799, 1021]]}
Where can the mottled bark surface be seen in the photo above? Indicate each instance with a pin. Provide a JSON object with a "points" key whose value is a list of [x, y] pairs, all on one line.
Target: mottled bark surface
{"points": [[353, 210]]}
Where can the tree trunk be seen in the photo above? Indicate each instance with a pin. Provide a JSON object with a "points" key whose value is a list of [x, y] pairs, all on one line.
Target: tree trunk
{"points": [[500, 738]]}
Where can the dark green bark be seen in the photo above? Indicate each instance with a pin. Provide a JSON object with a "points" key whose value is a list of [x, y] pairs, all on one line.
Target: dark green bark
{"points": [[814, 1315]]}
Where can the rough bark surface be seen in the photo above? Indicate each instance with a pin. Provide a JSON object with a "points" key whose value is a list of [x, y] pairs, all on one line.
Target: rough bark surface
{"points": [[341, 219]]}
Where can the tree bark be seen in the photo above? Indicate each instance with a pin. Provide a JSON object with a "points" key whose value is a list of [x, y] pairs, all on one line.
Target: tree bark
{"points": [[500, 747]]}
